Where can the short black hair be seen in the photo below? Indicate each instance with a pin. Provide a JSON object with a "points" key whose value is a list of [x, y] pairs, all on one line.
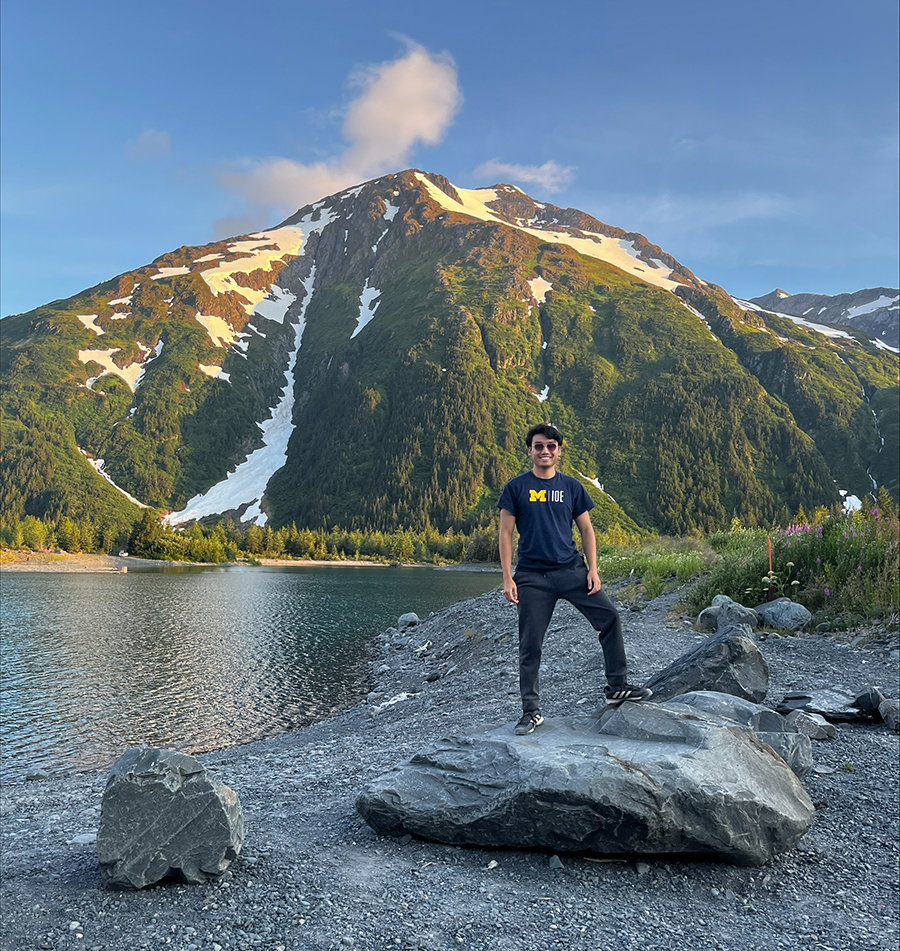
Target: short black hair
{"points": [[543, 429]]}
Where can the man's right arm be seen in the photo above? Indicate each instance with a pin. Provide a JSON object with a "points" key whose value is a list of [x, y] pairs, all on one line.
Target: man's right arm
{"points": [[507, 527]]}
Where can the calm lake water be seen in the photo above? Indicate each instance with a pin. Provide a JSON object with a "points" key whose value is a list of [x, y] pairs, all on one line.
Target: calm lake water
{"points": [[194, 659]]}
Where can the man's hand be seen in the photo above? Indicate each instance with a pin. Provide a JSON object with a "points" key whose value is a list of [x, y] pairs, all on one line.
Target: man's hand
{"points": [[594, 582], [511, 592]]}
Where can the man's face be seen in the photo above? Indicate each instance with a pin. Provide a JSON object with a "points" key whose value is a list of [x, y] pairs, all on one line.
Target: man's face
{"points": [[544, 451]]}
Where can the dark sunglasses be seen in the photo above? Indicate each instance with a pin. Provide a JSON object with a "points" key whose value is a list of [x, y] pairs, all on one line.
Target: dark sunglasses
{"points": [[549, 446]]}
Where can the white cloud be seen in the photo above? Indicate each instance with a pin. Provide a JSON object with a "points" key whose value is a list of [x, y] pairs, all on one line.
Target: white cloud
{"points": [[551, 176], [150, 144], [401, 104]]}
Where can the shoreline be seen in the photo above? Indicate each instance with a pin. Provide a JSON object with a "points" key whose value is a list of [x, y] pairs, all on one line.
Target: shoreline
{"points": [[46, 561]]}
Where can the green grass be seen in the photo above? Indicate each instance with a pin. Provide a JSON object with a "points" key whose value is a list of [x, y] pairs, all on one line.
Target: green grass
{"points": [[658, 564]]}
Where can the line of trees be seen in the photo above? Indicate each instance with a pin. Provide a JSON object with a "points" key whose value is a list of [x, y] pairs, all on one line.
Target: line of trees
{"points": [[224, 541]]}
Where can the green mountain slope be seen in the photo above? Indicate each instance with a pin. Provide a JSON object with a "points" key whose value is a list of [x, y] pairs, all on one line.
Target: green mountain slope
{"points": [[374, 361]]}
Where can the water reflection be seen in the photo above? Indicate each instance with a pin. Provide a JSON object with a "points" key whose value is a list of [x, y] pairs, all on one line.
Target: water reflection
{"points": [[191, 659]]}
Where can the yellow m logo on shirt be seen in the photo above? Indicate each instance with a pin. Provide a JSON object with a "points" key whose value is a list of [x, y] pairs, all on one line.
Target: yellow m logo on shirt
{"points": [[537, 495]]}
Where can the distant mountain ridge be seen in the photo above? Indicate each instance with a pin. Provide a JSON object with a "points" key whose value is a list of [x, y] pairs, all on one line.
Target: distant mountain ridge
{"points": [[373, 361], [875, 309]]}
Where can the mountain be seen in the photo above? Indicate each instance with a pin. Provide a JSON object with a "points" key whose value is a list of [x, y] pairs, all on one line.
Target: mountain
{"points": [[374, 360], [875, 310]]}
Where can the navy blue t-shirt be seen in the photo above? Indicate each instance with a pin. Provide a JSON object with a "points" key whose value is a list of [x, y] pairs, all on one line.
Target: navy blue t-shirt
{"points": [[544, 511]]}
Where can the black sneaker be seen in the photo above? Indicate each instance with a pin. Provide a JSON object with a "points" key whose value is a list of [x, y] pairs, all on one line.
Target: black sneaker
{"points": [[625, 692], [529, 722]]}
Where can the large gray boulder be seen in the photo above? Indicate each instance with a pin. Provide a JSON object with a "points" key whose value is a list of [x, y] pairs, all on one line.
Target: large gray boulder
{"points": [[642, 779], [727, 662], [784, 614], [164, 816]]}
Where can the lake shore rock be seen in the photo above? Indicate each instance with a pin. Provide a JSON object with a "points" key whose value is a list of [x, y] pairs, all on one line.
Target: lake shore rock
{"points": [[164, 816], [312, 874], [643, 778]]}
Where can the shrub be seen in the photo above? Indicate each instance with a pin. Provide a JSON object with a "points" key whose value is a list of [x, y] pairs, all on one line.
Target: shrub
{"points": [[841, 564]]}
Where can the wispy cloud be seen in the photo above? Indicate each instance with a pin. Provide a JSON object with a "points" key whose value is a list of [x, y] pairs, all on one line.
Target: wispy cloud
{"points": [[149, 145], [680, 213], [710, 211], [551, 176], [400, 104]]}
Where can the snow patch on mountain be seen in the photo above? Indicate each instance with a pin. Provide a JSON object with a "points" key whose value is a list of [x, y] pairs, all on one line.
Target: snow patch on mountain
{"points": [[221, 333], [594, 481], [131, 374], [808, 325], [852, 503], [539, 288], [615, 251], [368, 304], [90, 323], [244, 486], [700, 316], [169, 272], [100, 467], [883, 346], [214, 371], [259, 251], [872, 305], [275, 305]]}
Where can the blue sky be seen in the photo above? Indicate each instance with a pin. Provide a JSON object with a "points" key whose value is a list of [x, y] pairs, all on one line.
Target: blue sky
{"points": [[757, 143]]}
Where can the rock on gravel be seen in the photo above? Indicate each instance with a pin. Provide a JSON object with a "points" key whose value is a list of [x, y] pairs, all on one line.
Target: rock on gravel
{"points": [[164, 816], [645, 778]]}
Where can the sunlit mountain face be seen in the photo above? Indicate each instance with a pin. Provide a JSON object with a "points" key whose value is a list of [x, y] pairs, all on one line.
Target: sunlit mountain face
{"points": [[374, 360]]}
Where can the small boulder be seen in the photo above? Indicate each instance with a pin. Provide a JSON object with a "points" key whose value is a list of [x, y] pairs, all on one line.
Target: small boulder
{"points": [[870, 700], [164, 816], [784, 614], [408, 620], [708, 620], [813, 725], [731, 613], [725, 612], [794, 748], [727, 706], [889, 710], [728, 662]]}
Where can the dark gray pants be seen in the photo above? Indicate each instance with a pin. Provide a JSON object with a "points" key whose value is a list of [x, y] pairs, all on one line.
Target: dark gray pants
{"points": [[538, 593]]}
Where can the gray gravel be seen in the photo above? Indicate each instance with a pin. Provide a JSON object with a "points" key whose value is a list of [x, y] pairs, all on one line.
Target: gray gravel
{"points": [[313, 875]]}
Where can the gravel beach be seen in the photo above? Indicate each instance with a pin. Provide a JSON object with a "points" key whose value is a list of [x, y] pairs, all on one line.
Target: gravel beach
{"points": [[312, 875]]}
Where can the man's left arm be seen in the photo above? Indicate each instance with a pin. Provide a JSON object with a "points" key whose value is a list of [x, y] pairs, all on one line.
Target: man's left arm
{"points": [[589, 547]]}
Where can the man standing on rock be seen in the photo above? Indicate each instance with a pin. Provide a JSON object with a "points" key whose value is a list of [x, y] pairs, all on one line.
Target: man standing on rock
{"points": [[542, 504]]}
